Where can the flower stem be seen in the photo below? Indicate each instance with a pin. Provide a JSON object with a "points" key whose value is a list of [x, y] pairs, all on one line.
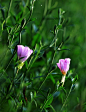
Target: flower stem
{"points": [[63, 79], [67, 97], [45, 79]]}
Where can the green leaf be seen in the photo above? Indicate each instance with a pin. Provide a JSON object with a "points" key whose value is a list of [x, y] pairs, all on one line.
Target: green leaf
{"points": [[19, 16], [3, 15], [59, 26], [26, 64], [23, 23], [49, 101], [36, 39], [75, 79], [52, 78], [78, 100]]}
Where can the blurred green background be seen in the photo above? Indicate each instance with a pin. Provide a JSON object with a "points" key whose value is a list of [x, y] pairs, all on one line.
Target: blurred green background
{"points": [[39, 31]]}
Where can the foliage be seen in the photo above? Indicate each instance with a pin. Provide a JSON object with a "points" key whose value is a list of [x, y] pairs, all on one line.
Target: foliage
{"points": [[54, 30]]}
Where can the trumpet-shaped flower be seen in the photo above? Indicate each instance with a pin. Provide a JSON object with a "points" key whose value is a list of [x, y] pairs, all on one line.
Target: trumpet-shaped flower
{"points": [[23, 52], [64, 65]]}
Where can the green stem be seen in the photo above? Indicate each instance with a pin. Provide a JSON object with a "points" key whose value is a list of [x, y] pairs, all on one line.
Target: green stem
{"points": [[55, 46], [9, 9], [52, 108], [20, 38], [49, 98], [67, 97], [9, 62], [33, 60], [16, 30], [45, 79]]}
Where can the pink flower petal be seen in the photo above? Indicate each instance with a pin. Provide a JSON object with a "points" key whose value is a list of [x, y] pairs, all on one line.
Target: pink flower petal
{"points": [[58, 64], [68, 60], [19, 50], [64, 65], [23, 52], [61, 61]]}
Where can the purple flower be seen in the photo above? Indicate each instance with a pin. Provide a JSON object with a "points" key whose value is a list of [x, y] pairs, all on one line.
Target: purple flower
{"points": [[23, 52], [64, 65]]}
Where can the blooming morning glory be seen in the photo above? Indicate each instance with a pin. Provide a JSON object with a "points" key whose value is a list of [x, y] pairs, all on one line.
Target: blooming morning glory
{"points": [[64, 65], [23, 52]]}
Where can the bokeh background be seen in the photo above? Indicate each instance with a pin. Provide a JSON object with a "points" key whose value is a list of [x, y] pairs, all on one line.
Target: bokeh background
{"points": [[38, 31]]}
